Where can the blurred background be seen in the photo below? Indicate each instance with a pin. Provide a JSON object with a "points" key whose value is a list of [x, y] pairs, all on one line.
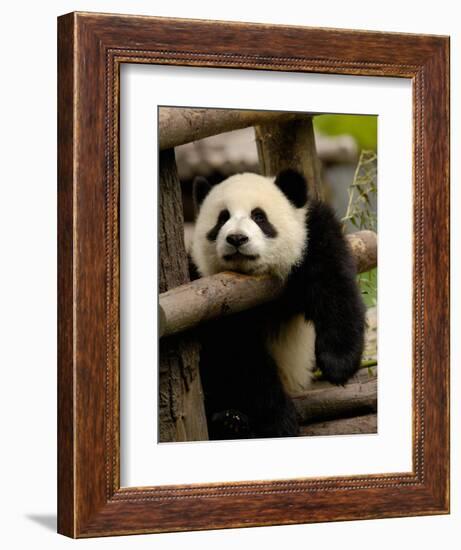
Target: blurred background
{"points": [[344, 144]]}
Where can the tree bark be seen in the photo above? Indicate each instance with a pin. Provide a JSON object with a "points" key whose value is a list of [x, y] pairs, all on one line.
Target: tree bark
{"points": [[366, 424], [178, 126], [181, 409], [331, 403], [290, 144]]}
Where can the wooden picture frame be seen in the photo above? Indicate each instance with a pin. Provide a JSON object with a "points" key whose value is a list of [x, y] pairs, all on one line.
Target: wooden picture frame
{"points": [[91, 48]]}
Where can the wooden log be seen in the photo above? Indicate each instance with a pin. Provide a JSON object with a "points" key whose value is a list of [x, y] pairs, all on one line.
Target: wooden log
{"points": [[354, 399], [181, 409], [212, 297], [290, 144], [366, 424], [364, 374], [183, 125], [188, 305], [364, 247]]}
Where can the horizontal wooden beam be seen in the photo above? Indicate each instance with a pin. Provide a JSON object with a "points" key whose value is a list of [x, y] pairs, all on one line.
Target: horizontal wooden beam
{"points": [[178, 126], [364, 424], [335, 410], [208, 298], [357, 397]]}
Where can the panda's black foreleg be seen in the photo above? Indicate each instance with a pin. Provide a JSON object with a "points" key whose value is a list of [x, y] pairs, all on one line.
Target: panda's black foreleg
{"points": [[339, 321], [324, 288]]}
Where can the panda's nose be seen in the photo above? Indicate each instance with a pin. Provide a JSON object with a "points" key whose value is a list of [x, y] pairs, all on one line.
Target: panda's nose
{"points": [[236, 239]]}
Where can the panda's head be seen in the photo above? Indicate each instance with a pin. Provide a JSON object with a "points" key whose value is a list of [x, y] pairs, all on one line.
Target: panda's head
{"points": [[250, 224]]}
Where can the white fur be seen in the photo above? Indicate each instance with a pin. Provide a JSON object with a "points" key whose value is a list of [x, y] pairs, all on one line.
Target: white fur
{"points": [[240, 194], [293, 349]]}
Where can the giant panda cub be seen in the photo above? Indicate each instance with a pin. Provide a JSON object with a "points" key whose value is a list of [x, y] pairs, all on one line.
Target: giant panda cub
{"points": [[251, 362]]}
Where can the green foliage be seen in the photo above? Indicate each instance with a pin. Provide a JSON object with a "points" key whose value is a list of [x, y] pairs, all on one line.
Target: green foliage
{"points": [[361, 214], [364, 128], [362, 194], [368, 284]]}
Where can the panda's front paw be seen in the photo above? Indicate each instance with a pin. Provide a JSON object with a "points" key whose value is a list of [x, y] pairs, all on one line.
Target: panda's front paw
{"points": [[337, 369], [229, 424]]}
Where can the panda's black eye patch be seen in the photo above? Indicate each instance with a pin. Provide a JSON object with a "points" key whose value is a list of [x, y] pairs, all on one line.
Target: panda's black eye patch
{"points": [[223, 216], [259, 217], [222, 219]]}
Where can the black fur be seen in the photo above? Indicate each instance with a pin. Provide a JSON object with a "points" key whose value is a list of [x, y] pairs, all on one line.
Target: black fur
{"points": [[200, 189], [324, 288], [294, 186], [244, 396], [259, 217], [223, 216]]}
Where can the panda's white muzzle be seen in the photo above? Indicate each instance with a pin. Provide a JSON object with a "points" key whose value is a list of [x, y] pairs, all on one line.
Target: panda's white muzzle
{"points": [[240, 239]]}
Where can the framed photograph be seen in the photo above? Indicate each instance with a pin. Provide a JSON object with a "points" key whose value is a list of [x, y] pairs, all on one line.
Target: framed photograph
{"points": [[253, 258]]}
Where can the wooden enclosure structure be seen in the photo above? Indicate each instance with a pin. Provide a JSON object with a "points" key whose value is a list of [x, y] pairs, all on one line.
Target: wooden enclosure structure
{"points": [[283, 140]]}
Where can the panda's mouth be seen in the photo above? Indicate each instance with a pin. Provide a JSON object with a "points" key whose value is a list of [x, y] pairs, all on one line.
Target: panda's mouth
{"points": [[240, 256]]}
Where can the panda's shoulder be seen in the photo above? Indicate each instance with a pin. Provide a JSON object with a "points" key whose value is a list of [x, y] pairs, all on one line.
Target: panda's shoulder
{"points": [[321, 221], [326, 244]]}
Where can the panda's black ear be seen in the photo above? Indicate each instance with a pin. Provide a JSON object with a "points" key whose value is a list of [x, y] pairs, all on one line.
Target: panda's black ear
{"points": [[294, 186], [200, 189]]}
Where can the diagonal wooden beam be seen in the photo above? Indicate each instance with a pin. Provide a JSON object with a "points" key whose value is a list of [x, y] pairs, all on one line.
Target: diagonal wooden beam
{"points": [[188, 305]]}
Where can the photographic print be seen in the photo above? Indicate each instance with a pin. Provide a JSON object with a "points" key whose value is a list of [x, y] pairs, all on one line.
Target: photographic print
{"points": [[289, 199]]}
